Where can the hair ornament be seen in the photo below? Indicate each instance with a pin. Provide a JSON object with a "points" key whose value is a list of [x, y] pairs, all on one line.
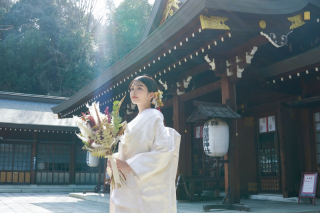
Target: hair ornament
{"points": [[157, 100]]}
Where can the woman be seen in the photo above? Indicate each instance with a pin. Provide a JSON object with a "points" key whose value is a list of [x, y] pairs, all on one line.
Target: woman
{"points": [[147, 156]]}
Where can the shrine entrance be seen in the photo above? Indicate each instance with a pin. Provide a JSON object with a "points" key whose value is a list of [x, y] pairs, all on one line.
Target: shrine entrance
{"points": [[268, 156]]}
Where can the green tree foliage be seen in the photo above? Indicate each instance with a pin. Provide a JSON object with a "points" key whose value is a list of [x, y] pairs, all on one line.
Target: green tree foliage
{"points": [[124, 28], [57, 46], [4, 8]]}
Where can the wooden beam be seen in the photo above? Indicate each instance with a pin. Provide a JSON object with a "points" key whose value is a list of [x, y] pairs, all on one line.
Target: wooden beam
{"points": [[247, 46], [201, 91], [195, 71]]}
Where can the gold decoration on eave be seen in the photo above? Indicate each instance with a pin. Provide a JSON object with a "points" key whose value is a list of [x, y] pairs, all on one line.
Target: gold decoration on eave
{"points": [[169, 10], [214, 22], [262, 24], [306, 15], [297, 21]]}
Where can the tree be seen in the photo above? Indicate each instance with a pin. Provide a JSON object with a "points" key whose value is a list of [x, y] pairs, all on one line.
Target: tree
{"points": [[125, 27], [50, 49], [57, 47], [4, 8]]}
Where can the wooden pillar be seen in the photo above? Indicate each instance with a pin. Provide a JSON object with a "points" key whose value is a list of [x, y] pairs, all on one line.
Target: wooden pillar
{"points": [[72, 162], [283, 155], [105, 186], [228, 93], [33, 154], [179, 126], [188, 153]]}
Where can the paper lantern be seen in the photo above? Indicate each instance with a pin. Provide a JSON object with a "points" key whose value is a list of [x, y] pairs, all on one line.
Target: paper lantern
{"points": [[91, 160], [216, 137]]}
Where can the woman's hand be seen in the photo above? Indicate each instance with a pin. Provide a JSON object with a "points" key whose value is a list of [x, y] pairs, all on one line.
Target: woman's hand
{"points": [[109, 164], [122, 165]]}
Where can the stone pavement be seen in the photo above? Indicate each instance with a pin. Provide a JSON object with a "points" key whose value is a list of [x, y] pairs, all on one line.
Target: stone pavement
{"points": [[62, 202], [33, 188], [47, 202]]}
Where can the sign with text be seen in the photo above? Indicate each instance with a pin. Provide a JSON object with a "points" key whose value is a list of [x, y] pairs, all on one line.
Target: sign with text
{"points": [[309, 181], [308, 185]]}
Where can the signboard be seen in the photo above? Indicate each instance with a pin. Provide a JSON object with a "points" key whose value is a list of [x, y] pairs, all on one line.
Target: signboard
{"points": [[267, 124], [198, 132], [249, 121], [308, 185]]}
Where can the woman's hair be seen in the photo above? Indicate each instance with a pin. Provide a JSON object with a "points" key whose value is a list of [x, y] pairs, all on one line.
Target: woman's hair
{"points": [[148, 81]]}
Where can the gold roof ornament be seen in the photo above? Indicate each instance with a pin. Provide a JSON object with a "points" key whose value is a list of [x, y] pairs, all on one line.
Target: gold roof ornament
{"points": [[297, 21], [169, 8], [214, 22], [263, 24], [307, 15]]}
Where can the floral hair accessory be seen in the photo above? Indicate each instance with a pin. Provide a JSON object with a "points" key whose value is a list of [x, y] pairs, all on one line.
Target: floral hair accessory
{"points": [[157, 100]]}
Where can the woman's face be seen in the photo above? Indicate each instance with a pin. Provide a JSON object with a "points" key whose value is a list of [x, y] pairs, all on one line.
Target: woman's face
{"points": [[139, 93]]}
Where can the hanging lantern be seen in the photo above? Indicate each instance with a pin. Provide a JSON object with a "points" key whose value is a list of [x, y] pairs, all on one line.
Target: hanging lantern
{"points": [[216, 137], [92, 161]]}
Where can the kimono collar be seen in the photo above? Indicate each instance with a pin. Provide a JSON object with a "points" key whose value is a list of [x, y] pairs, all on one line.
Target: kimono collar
{"points": [[139, 121]]}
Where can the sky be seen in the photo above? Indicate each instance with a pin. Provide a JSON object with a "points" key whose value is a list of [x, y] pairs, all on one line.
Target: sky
{"points": [[101, 5]]}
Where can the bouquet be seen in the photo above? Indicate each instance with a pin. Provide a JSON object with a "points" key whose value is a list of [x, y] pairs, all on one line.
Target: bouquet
{"points": [[100, 134]]}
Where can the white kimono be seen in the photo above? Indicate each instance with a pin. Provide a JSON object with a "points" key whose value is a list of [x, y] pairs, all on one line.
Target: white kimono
{"points": [[152, 152]]}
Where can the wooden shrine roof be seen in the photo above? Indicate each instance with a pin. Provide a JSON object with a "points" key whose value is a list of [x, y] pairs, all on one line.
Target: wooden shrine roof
{"points": [[183, 24], [270, 7], [18, 110]]}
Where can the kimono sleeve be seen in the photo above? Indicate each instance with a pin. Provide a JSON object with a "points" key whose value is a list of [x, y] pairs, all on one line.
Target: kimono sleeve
{"points": [[148, 163], [115, 155]]}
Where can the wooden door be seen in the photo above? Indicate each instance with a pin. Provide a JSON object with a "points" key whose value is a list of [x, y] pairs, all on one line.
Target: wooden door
{"points": [[84, 173], [15, 163], [53, 163]]}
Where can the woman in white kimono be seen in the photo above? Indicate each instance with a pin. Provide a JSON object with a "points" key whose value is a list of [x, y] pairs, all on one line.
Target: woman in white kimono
{"points": [[147, 156]]}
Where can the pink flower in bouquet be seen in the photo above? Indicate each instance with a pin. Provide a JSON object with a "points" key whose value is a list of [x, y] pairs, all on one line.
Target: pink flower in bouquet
{"points": [[88, 118], [106, 111], [91, 121]]}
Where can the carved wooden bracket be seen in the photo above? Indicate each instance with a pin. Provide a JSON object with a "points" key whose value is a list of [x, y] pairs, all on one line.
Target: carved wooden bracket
{"points": [[237, 64], [217, 65], [182, 85], [163, 84]]}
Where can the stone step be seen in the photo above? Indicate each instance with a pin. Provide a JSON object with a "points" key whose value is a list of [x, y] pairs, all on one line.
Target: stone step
{"points": [[96, 197], [278, 197], [44, 188]]}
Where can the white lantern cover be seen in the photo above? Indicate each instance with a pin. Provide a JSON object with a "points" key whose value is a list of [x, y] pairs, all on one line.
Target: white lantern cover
{"points": [[216, 137], [91, 160]]}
